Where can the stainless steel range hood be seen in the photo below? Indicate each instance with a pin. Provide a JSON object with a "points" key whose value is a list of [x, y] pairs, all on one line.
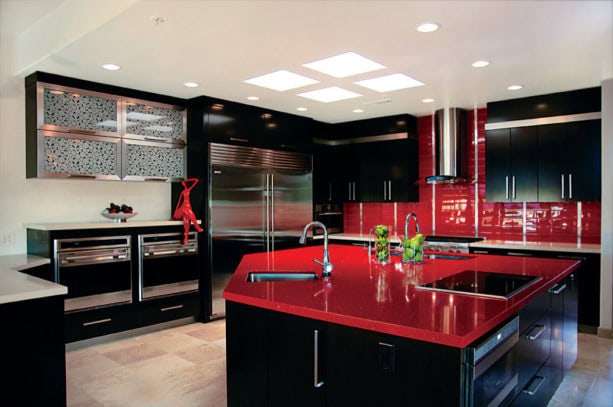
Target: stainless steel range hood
{"points": [[450, 131]]}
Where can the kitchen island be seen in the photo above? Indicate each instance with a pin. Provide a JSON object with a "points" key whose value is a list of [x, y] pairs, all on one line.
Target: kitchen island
{"points": [[368, 333]]}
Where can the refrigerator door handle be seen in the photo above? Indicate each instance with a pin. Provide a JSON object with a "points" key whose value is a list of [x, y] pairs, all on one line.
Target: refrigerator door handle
{"points": [[272, 211]]}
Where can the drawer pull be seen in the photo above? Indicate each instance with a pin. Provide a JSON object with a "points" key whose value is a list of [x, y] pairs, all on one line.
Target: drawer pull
{"points": [[242, 140], [534, 385], [535, 332], [100, 321], [480, 252], [171, 308], [557, 289], [518, 254]]}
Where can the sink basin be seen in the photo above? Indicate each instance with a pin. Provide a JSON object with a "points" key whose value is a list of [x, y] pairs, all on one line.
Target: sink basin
{"points": [[263, 277], [448, 257]]}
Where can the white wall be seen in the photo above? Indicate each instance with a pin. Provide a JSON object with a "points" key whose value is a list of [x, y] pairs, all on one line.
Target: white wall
{"points": [[606, 256], [24, 201]]}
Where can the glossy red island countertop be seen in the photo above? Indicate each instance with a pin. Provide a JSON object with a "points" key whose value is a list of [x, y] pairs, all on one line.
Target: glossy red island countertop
{"points": [[383, 298]]}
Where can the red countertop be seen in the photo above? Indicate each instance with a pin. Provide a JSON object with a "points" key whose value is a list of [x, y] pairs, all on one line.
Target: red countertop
{"points": [[383, 298]]}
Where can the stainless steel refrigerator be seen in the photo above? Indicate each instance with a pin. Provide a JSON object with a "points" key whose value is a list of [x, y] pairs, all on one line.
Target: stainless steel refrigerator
{"points": [[260, 200]]}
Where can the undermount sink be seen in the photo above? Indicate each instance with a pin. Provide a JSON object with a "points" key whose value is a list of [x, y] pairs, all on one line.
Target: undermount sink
{"points": [[448, 257], [263, 277]]}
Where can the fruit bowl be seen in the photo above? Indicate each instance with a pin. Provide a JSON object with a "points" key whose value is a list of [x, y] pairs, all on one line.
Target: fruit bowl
{"points": [[118, 217]]}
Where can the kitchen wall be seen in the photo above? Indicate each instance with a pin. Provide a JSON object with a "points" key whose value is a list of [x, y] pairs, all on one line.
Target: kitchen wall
{"points": [[461, 209], [24, 201]]}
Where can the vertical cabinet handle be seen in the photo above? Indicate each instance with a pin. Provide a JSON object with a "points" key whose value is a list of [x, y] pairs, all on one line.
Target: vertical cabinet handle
{"points": [[349, 191], [563, 186], [384, 190], [329, 192], [570, 186], [389, 189], [354, 190], [506, 187], [513, 186], [316, 382]]}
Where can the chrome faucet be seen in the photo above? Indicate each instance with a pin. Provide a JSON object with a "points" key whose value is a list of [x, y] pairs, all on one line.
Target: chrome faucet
{"points": [[406, 225], [325, 262]]}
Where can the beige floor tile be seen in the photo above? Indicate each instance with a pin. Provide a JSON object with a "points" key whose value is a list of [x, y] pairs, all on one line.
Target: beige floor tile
{"points": [[134, 353]]}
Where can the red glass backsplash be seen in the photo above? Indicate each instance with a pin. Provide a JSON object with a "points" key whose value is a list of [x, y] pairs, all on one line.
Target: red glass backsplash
{"points": [[461, 209]]}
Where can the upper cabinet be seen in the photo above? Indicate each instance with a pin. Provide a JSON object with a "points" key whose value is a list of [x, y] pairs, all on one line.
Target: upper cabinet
{"points": [[73, 132], [77, 111], [544, 148]]}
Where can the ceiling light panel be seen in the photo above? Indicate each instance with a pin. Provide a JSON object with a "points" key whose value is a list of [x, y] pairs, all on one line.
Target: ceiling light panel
{"points": [[344, 65], [331, 94], [281, 81], [390, 82]]}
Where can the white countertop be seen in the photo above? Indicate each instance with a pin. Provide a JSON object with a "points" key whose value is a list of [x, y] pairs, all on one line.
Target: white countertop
{"points": [[16, 286], [104, 225], [491, 244]]}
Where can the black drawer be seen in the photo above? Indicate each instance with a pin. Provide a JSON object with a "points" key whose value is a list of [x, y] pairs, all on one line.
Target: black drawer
{"points": [[88, 324], [534, 311], [168, 309], [539, 389], [533, 349]]}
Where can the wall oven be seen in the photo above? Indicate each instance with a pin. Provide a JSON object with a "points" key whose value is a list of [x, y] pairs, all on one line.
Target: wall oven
{"points": [[167, 266], [491, 368], [96, 270]]}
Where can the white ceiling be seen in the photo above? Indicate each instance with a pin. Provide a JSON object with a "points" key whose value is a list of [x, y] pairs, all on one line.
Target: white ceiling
{"points": [[546, 46]]}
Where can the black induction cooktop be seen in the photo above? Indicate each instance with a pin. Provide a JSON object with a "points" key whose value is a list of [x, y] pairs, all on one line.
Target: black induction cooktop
{"points": [[482, 283]]}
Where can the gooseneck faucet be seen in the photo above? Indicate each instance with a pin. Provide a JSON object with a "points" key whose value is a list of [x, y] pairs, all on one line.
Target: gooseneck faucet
{"points": [[325, 262], [406, 225]]}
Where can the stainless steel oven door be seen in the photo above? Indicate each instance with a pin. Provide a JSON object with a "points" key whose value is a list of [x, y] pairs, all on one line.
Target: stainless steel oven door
{"points": [[167, 266], [97, 271], [491, 368]]}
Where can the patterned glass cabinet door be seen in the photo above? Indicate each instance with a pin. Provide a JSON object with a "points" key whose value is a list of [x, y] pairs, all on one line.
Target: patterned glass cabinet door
{"points": [[77, 111], [145, 120], [64, 155], [151, 161]]}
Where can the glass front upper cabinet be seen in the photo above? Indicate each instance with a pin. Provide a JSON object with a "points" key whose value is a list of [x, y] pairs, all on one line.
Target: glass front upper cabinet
{"points": [[77, 111], [144, 120]]}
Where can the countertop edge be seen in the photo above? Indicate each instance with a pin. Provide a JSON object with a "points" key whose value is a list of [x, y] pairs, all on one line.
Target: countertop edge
{"points": [[103, 225], [16, 286]]}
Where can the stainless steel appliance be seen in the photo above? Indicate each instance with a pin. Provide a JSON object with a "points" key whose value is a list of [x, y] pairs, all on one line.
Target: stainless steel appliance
{"points": [[259, 201], [491, 367], [96, 270], [167, 266], [450, 244]]}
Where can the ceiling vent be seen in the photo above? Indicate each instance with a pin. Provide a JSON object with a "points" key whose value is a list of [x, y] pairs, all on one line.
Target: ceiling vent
{"points": [[451, 157]]}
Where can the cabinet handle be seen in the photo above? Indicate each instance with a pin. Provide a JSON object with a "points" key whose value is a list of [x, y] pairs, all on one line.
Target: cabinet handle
{"points": [[513, 187], [242, 140], [506, 187], [384, 190], [563, 186], [557, 289], [329, 192], [316, 382], [353, 197], [100, 321], [389, 189], [534, 385], [171, 308], [481, 252], [532, 335], [570, 186], [150, 179], [349, 191], [82, 176], [84, 131], [518, 254]]}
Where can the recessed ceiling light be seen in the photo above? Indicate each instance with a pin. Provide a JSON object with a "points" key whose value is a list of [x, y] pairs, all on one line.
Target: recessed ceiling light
{"points": [[302, 109], [191, 84], [331, 94], [253, 98], [111, 67], [427, 100], [343, 65], [358, 110], [390, 82], [515, 87], [281, 81], [428, 27], [480, 64]]}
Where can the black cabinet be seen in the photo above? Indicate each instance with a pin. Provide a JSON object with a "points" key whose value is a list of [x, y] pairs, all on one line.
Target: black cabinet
{"points": [[236, 123], [512, 166], [33, 353], [569, 161], [276, 359]]}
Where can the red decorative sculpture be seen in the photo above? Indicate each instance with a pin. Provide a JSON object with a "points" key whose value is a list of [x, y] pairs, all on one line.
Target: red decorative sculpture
{"points": [[184, 208]]}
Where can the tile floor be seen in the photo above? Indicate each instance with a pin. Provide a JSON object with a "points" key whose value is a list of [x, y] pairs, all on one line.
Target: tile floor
{"points": [[185, 366]]}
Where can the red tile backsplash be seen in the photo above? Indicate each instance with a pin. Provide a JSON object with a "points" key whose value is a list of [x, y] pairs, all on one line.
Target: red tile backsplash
{"points": [[453, 206]]}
